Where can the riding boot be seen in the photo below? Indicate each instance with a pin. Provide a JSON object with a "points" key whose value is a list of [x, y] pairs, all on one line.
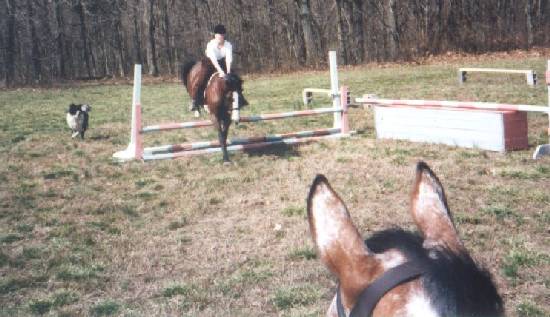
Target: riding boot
{"points": [[242, 101]]}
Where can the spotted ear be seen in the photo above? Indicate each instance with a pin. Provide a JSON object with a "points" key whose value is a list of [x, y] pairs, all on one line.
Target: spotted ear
{"points": [[431, 212], [339, 244]]}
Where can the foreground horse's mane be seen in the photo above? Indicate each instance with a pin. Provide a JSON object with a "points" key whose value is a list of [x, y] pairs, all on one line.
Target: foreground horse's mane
{"points": [[446, 274]]}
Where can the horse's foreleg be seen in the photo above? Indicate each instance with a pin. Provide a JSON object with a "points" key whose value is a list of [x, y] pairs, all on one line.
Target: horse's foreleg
{"points": [[224, 132], [222, 138]]}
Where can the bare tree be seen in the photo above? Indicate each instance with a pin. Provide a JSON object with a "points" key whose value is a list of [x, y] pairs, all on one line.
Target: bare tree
{"points": [[10, 42], [43, 40], [311, 41], [342, 31], [150, 23], [392, 29]]}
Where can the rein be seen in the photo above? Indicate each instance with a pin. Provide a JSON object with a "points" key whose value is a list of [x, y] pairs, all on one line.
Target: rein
{"points": [[377, 289]]}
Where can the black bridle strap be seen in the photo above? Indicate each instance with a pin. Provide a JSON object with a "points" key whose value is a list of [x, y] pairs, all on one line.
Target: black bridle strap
{"points": [[376, 290]]}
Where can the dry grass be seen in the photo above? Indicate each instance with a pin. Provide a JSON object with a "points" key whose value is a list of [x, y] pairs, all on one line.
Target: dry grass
{"points": [[81, 235]]}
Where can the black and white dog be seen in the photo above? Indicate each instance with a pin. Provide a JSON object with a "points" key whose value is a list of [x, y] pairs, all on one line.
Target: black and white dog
{"points": [[77, 119]]}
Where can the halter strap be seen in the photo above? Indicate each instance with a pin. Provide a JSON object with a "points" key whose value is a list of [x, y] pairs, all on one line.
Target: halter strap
{"points": [[377, 289]]}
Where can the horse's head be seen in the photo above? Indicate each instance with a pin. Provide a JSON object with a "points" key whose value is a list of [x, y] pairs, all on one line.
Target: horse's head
{"points": [[234, 82], [447, 283], [218, 87]]}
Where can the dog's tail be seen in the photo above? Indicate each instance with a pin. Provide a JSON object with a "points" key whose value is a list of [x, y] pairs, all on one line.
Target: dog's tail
{"points": [[185, 69]]}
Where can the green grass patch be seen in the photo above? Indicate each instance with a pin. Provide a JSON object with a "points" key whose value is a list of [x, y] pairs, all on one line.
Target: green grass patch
{"points": [[175, 290], [516, 260], [60, 173], [4, 259], [188, 296], [175, 225], [40, 306], [292, 211], [528, 309], [78, 273], [289, 297], [11, 285], [10, 238], [24, 228], [32, 253], [502, 212], [105, 308], [64, 297], [303, 253]]}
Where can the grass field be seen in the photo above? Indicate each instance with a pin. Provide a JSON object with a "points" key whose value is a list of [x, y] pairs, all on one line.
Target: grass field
{"points": [[82, 235]]}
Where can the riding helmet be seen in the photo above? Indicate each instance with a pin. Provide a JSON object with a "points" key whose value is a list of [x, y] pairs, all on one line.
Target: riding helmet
{"points": [[219, 29]]}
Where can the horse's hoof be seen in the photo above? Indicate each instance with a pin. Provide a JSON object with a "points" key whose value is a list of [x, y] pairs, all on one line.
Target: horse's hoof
{"points": [[197, 113], [227, 163]]}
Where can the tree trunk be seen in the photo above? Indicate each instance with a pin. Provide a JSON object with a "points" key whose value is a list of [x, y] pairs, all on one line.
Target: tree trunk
{"points": [[529, 23], [61, 42], [273, 34], [10, 43], [358, 28], [149, 15], [84, 37], [342, 33], [197, 43], [392, 31], [167, 36], [137, 37], [311, 41], [119, 42], [35, 50]]}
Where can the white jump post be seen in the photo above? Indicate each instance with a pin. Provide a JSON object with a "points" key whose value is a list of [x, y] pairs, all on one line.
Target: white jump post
{"points": [[530, 74], [544, 149], [135, 148], [335, 94]]}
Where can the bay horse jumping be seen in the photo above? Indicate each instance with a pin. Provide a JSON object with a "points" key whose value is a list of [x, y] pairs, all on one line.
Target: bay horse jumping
{"points": [[396, 272], [218, 97]]}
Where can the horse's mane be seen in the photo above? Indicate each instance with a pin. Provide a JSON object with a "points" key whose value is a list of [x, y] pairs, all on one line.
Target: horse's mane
{"points": [[455, 283], [185, 69], [234, 81]]}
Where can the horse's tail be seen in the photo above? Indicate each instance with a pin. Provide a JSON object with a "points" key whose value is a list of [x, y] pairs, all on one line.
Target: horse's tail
{"points": [[185, 69]]}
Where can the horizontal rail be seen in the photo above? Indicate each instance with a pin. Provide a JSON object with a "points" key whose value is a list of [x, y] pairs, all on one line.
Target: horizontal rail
{"points": [[256, 118], [246, 140], [318, 90], [240, 147], [496, 70], [453, 104]]}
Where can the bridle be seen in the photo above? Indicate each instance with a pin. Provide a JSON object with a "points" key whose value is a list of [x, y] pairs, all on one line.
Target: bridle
{"points": [[373, 293]]}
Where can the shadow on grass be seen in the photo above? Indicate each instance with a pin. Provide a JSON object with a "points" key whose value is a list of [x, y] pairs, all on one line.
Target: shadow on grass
{"points": [[279, 150]]}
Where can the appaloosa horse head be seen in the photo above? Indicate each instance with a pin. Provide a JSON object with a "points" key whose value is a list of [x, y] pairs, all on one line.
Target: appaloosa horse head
{"points": [[396, 272], [219, 96]]}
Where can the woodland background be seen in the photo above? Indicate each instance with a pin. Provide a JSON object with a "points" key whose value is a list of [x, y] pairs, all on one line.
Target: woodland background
{"points": [[45, 41]]}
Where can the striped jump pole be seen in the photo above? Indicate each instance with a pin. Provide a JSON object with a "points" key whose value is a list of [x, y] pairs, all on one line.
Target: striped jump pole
{"points": [[238, 141], [541, 150], [135, 148], [256, 118], [238, 147]]}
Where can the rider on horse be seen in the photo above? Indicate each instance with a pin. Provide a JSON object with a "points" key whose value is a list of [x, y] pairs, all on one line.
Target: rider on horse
{"points": [[220, 55]]}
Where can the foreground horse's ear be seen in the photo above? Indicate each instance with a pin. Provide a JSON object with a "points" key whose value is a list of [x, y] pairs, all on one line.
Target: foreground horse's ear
{"points": [[339, 244], [431, 213]]}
